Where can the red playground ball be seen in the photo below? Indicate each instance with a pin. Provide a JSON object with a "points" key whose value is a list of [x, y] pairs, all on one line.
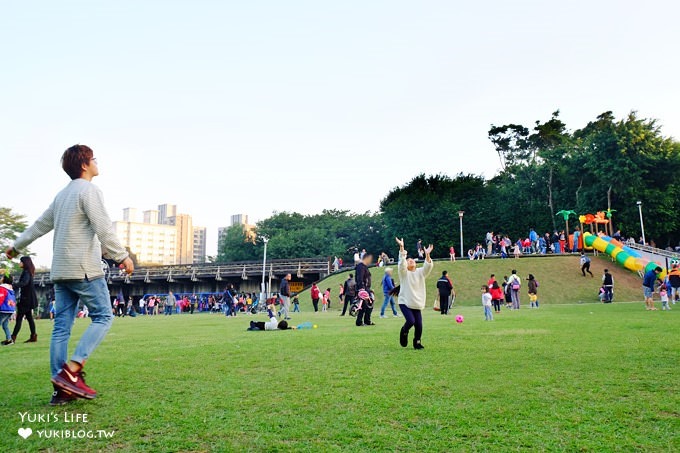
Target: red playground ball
{"points": [[460, 319]]}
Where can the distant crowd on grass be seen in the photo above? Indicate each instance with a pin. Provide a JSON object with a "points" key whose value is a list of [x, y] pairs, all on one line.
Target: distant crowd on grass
{"points": [[230, 303]]}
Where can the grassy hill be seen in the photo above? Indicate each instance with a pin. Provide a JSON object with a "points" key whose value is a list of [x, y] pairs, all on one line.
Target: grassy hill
{"points": [[559, 277]]}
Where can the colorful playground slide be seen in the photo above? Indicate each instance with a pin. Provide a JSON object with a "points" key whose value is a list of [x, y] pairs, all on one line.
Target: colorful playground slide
{"points": [[623, 255]]}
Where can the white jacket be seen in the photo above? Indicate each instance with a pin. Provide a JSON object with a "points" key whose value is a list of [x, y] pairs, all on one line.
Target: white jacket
{"points": [[413, 291]]}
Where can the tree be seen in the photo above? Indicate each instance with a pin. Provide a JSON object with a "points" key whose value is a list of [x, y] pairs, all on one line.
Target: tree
{"points": [[605, 166], [11, 225], [427, 208], [234, 246]]}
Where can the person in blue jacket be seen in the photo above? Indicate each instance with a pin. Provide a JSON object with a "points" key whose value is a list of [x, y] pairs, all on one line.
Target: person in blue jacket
{"points": [[8, 304], [388, 286], [648, 282]]}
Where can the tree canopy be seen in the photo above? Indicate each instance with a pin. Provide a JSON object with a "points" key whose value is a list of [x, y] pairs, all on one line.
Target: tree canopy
{"points": [[545, 170]]}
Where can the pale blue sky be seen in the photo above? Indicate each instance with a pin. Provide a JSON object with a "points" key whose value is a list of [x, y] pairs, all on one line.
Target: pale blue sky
{"points": [[225, 107]]}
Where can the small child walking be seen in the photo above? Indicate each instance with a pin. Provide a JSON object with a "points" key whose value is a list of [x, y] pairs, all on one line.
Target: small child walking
{"points": [[533, 291], [296, 305], [663, 294], [486, 303], [324, 301]]}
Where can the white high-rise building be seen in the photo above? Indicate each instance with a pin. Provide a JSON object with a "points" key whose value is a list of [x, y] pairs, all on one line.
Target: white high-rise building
{"points": [[239, 219], [200, 244], [153, 244], [130, 215], [151, 217], [165, 212], [164, 237]]}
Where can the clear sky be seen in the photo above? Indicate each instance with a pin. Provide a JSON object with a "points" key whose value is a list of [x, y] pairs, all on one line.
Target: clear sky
{"points": [[224, 107]]}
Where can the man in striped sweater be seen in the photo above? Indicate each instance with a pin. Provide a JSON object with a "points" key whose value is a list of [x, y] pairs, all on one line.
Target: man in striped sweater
{"points": [[82, 232]]}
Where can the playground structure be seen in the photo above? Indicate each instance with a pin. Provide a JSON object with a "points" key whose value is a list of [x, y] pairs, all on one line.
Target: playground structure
{"points": [[626, 256]]}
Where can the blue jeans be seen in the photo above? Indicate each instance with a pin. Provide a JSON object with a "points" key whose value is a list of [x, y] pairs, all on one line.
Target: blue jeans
{"points": [[488, 316], [168, 310], [95, 295], [388, 300], [4, 320]]}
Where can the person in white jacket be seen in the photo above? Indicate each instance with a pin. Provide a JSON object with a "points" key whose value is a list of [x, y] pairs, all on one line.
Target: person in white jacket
{"points": [[412, 293]]}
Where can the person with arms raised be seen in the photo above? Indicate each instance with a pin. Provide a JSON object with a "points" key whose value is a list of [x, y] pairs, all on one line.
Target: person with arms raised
{"points": [[412, 293]]}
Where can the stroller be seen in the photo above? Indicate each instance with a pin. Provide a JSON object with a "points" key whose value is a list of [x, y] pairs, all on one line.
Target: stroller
{"points": [[364, 297]]}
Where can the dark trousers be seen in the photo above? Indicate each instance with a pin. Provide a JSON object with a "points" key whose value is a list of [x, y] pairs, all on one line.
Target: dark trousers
{"points": [[586, 268], [364, 315], [608, 293], [444, 303], [192, 308], [412, 318], [496, 305], [348, 299], [257, 325], [20, 318], [315, 302]]}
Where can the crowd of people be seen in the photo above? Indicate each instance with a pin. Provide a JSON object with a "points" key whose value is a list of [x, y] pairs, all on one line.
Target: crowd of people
{"points": [[557, 242]]}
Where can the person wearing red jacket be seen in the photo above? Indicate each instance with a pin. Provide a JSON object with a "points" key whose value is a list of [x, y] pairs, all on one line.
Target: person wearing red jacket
{"points": [[496, 296], [315, 293]]}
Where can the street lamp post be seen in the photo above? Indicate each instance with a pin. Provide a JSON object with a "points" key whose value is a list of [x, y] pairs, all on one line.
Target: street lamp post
{"points": [[263, 288], [642, 224], [460, 218]]}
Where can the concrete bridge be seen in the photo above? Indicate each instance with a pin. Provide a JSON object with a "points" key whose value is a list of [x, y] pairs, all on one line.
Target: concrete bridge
{"points": [[246, 276]]}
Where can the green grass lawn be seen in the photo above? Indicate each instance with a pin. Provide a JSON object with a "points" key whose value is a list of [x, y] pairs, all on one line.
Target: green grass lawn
{"points": [[587, 377]]}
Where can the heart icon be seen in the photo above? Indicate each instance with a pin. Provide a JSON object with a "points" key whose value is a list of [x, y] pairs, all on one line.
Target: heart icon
{"points": [[25, 432]]}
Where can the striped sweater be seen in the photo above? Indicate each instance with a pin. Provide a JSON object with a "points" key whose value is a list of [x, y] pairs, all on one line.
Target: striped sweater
{"points": [[82, 233]]}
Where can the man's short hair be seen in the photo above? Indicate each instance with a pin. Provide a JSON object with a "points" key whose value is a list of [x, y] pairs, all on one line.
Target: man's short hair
{"points": [[74, 158], [444, 273], [658, 270]]}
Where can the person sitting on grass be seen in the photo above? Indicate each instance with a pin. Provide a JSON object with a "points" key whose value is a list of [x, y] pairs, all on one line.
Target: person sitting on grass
{"points": [[273, 324], [412, 294]]}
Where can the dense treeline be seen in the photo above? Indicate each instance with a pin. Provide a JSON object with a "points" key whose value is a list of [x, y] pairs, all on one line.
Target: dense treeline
{"points": [[608, 164]]}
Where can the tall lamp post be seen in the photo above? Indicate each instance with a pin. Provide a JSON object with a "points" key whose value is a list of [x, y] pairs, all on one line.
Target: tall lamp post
{"points": [[460, 218], [642, 224], [263, 288]]}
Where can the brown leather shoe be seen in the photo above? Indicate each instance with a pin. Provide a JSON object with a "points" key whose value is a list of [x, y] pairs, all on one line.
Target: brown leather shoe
{"points": [[33, 339]]}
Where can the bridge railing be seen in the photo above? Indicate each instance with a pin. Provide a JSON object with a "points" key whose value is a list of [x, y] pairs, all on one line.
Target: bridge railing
{"points": [[216, 271]]}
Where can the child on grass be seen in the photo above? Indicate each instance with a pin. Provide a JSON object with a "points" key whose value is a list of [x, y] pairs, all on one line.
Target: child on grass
{"points": [[663, 294], [326, 299], [8, 304], [296, 305], [496, 296], [486, 303], [273, 324], [533, 291]]}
